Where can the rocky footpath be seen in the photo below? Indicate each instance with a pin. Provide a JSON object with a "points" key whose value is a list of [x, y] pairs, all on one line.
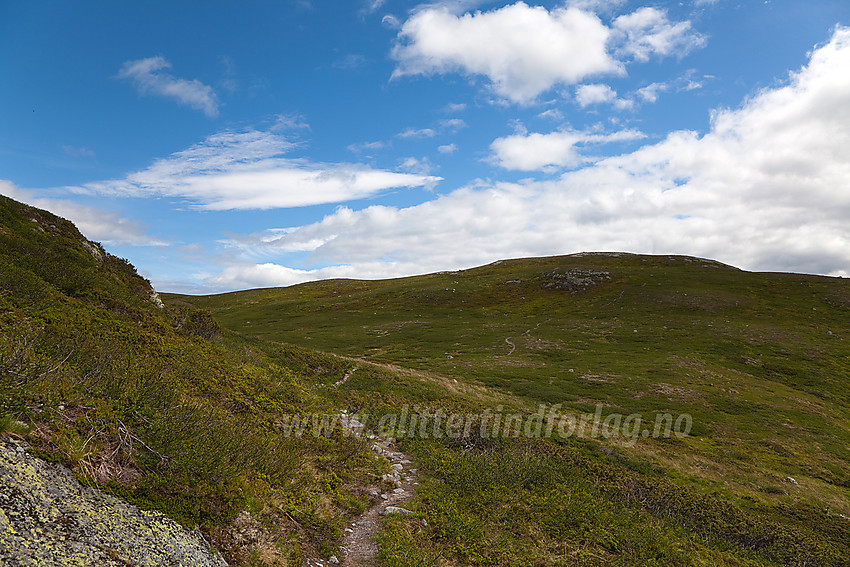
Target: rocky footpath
{"points": [[359, 548], [48, 518]]}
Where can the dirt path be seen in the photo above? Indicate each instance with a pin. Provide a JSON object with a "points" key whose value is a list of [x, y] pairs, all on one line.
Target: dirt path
{"points": [[527, 333], [359, 548], [345, 378], [447, 381]]}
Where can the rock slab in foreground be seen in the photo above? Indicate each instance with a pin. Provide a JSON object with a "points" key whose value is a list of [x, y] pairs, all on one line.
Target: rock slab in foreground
{"points": [[48, 518]]}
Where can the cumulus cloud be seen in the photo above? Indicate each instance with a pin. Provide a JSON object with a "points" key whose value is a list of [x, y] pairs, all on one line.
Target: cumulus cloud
{"points": [[595, 94], [537, 49], [531, 152], [765, 188], [647, 32], [651, 92], [244, 170], [109, 227], [587, 95], [452, 125], [149, 77]]}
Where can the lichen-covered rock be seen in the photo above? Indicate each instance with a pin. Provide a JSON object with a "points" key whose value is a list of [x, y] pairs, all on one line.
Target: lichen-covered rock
{"points": [[48, 518], [157, 300], [573, 279]]}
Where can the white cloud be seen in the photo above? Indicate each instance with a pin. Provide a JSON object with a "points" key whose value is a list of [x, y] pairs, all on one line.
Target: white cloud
{"points": [[598, 6], [595, 94], [531, 152], [259, 275], [244, 170], [372, 5], [422, 166], [650, 92], [391, 21], [764, 189], [149, 78], [283, 122], [536, 50], [447, 125], [453, 107], [587, 95], [417, 133], [366, 147], [452, 125], [647, 32], [552, 114], [269, 274], [447, 149], [109, 227], [624, 104]]}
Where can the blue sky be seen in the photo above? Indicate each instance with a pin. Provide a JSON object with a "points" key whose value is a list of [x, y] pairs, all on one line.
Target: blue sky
{"points": [[224, 145]]}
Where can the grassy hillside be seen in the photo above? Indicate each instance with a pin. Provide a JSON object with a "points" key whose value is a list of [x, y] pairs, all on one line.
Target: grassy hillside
{"points": [[161, 406], [181, 405], [760, 361]]}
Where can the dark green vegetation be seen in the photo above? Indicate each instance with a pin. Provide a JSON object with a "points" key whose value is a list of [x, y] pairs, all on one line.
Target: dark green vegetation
{"points": [[761, 361], [160, 405], [178, 407]]}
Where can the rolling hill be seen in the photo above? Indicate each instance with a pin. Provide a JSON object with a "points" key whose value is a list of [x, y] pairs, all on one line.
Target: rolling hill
{"points": [[184, 405], [760, 361]]}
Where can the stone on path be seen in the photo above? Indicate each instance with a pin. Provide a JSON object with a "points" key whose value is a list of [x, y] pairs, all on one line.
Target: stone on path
{"points": [[396, 510]]}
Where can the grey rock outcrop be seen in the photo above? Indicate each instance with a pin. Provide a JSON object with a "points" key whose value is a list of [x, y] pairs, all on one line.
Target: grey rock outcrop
{"points": [[48, 518], [574, 279]]}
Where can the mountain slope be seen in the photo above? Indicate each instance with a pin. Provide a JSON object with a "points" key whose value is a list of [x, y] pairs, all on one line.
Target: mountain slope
{"points": [[166, 407], [160, 406], [761, 362]]}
